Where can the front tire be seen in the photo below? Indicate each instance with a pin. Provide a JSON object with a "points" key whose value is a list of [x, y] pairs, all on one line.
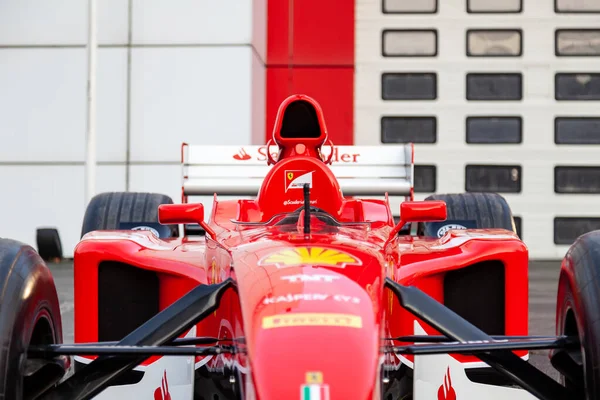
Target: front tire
{"points": [[29, 315], [578, 314]]}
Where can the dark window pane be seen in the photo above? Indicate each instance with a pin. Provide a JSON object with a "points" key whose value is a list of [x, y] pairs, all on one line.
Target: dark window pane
{"points": [[425, 178], [570, 130], [519, 226], [580, 86], [494, 87], [577, 42], [568, 229], [493, 178], [577, 179], [409, 86], [494, 130], [408, 130]]}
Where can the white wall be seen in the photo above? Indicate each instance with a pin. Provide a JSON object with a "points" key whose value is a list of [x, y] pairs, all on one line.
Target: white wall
{"points": [[170, 72]]}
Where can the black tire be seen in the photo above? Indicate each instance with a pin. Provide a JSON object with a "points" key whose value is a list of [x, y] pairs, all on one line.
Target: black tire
{"points": [[48, 244], [29, 315], [578, 314], [109, 211], [487, 210]]}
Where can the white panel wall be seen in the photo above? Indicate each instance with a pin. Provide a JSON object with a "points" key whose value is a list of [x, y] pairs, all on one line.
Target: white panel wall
{"points": [[61, 22], [43, 103], [187, 94], [170, 72], [192, 22]]}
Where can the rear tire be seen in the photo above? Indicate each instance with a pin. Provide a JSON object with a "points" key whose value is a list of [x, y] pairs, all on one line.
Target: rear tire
{"points": [[578, 314], [485, 210], [109, 211], [29, 315], [49, 244]]}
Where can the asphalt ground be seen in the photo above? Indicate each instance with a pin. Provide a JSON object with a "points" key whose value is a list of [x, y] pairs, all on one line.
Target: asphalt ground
{"points": [[543, 279]]}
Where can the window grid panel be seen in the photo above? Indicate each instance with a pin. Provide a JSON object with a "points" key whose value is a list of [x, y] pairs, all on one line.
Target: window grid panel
{"points": [[577, 179], [577, 130], [578, 86], [415, 129], [568, 229], [495, 86], [408, 86], [493, 178], [409, 43], [409, 6], [537, 153], [577, 43], [494, 130], [494, 43], [494, 6]]}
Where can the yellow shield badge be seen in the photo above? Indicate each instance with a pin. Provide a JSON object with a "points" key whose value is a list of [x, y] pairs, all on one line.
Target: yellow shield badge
{"points": [[320, 256]]}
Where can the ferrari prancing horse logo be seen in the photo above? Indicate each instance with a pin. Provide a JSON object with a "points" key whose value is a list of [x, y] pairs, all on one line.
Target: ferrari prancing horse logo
{"points": [[295, 179]]}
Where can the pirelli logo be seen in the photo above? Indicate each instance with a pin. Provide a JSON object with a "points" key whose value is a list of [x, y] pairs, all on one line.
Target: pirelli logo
{"points": [[311, 319]]}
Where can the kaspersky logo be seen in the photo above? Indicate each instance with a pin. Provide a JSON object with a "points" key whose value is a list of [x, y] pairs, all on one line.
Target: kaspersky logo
{"points": [[295, 179], [320, 256]]}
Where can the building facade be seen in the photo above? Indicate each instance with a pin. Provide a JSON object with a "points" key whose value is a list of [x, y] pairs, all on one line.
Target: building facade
{"points": [[497, 96]]}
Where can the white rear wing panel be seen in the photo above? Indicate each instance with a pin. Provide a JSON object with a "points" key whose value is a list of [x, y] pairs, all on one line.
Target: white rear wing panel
{"points": [[239, 171]]}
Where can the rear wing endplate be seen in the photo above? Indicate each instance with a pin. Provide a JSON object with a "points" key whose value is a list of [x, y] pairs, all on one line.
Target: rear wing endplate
{"points": [[239, 171]]}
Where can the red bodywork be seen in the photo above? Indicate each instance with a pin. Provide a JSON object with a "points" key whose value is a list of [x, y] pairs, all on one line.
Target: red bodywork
{"points": [[286, 317]]}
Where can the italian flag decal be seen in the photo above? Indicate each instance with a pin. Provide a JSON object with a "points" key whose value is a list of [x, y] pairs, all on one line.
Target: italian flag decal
{"points": [[315, 392], [314, 389]]}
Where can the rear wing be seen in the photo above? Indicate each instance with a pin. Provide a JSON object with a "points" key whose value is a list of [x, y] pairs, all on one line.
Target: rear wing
{"points": [[239, 171]]}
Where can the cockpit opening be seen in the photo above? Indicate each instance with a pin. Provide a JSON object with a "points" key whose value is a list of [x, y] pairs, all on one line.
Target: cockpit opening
{"points": [[300, 121]]}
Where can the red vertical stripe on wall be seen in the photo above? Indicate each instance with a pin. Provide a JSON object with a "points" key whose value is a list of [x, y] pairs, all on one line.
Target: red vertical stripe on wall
{"points": [[310, 50], [329, 86]]}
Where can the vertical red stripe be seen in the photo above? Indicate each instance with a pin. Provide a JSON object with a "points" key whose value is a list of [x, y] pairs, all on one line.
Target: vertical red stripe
{"points": [[310, 50], [331, 87]]}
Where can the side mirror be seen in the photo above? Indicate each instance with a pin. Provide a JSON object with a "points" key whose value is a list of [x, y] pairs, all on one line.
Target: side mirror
{"points": [[419, 211], [169, 214], [423, 211]]}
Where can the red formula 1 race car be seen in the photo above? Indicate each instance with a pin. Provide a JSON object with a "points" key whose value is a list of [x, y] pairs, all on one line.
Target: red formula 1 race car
{"points": [[305, 290]]}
